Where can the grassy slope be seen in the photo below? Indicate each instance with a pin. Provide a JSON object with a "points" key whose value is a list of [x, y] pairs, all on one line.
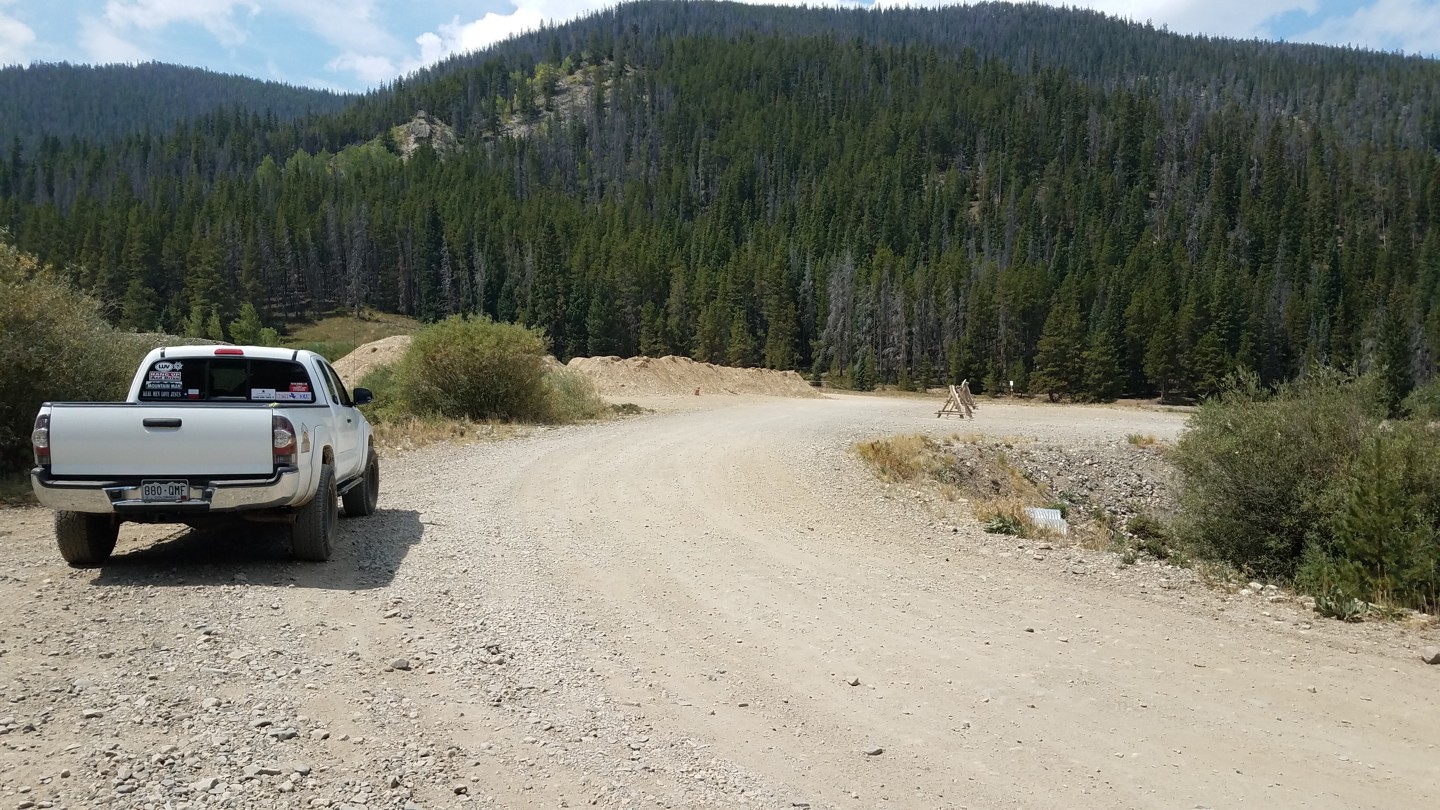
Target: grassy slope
{"points": [[337, 335]]}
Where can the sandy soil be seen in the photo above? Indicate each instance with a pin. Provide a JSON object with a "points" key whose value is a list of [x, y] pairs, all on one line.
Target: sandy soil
{"points": [[670, 611], [353, 367], [619, 378]]}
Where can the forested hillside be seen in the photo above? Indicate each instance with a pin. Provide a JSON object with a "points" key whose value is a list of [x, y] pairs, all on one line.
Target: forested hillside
{"points": [[1140, 213], [103, 103]]}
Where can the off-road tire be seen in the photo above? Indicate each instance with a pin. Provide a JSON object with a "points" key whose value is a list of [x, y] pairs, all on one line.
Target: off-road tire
{"points": [[316, 523], [85, 539], [362, 498]]}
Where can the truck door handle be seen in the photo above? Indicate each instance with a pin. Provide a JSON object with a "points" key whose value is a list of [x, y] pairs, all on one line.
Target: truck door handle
{"points": [[162, 423]]}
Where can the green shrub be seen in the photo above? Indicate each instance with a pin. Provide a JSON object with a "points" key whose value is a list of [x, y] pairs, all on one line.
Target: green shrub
{"points": [[1424, 402], [474, 368], [1255, 467], [1382, 544], [54, 345], [572, 398], [1311, 483], [1150, 535]]}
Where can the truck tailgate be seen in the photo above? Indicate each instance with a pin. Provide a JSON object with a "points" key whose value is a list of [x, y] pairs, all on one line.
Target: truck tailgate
{"points": [[130, 440]]}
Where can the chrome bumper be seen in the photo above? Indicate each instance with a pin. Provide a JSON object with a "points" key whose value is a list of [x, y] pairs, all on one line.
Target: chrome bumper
{"points": [[281, 489]]}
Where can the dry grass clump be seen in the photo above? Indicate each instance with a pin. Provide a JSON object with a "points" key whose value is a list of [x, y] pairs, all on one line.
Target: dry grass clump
{"points": [[959, 470], [903, 458], [413, 432]]}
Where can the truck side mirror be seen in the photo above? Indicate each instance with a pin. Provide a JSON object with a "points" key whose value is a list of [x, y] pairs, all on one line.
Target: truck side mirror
{"points": [[363, 396]]}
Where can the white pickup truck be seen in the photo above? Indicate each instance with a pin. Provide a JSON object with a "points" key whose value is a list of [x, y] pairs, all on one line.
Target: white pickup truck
{"points": [[209, 433]]}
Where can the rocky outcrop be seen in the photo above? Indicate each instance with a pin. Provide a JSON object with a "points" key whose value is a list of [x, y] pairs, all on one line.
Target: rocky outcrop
{"points": [[425, 128]]}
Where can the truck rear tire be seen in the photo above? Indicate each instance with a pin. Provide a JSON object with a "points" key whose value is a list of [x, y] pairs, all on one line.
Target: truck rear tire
{"points": [[85, 539], [313, 534], [362, 498]]}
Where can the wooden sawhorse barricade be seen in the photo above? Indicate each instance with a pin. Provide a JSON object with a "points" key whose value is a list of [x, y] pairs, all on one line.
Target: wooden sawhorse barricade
{"points": [[961, 403]]}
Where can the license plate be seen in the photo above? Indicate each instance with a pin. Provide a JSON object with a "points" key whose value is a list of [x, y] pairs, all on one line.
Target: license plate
{"points": [[171, 491]]}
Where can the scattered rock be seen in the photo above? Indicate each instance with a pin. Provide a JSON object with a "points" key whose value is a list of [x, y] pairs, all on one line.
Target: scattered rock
{"points": [[402, 664], [92, 714], [1430, 655], [874, 751], [853, 681], [460, 788]]}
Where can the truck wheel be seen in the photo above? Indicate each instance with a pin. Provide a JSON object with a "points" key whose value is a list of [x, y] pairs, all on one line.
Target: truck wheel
{"points": [[313, 534], [85, 539], [361, 499]]}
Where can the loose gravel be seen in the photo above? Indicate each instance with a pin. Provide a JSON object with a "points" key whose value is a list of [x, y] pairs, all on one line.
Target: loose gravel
{"points": [[711, 606]]}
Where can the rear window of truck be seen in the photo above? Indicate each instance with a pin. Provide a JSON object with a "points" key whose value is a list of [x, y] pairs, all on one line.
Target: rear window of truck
{"points": [[226, 379]]}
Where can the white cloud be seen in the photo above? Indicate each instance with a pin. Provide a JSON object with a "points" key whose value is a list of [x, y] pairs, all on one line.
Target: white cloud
{"points": [[102, 45], [1411, 26], [348, 24], [15, 39], [457, 37], [1229, 18], [214, 16], [370, 69]]}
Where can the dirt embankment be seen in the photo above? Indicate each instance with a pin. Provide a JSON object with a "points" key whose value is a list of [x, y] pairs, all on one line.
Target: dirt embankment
{"points": [[681, 376], [353, 367], [616, 377]]}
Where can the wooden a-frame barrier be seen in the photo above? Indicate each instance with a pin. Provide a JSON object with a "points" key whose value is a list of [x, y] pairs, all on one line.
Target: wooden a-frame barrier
{"points": [[961, 402]]}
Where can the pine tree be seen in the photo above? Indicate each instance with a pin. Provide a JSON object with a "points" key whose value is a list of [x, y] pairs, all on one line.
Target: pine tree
{"points": [[1162, 357], [246, 329], [213, 329], [137, 310], [862, 377], [740, 351], [652, 331], [1059, 361], [1103, 378]]}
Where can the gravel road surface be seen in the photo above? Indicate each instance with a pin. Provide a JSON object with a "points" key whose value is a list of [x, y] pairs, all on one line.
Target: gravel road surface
{"points": [[714, 605]]}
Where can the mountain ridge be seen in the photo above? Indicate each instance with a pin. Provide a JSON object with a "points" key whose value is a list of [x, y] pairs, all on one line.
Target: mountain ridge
{"points": [[110, 102]]}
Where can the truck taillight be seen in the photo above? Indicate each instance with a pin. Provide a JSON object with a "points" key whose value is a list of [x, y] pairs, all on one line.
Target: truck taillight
{"points": [[40, 440], [282, 434]]}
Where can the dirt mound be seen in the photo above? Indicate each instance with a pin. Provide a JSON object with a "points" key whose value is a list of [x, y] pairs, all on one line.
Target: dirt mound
{"points": [[669, 376], [616, 377], [353, 367]]}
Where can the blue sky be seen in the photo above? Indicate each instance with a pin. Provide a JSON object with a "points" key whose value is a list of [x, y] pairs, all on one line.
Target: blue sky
{"points": [[358, 44]]}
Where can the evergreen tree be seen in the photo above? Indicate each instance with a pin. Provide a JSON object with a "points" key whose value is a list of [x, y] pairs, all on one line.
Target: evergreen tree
{"points": [[137, 310], [862, 377], [1103, 378], [740, 351], [1059, 361]]}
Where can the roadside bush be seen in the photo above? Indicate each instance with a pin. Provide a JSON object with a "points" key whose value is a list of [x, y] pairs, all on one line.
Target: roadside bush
{"points": [[474, 368], [1424, 402], [54, 345], [1310, 483], [1381, 519], [572, 397], [1255, 467]]}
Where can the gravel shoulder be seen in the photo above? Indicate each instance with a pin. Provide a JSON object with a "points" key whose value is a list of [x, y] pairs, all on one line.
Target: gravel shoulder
{"points": [[670, 611]]}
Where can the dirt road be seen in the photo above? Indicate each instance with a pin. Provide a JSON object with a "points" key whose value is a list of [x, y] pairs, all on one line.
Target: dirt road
{"points": [[670, 611]]}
